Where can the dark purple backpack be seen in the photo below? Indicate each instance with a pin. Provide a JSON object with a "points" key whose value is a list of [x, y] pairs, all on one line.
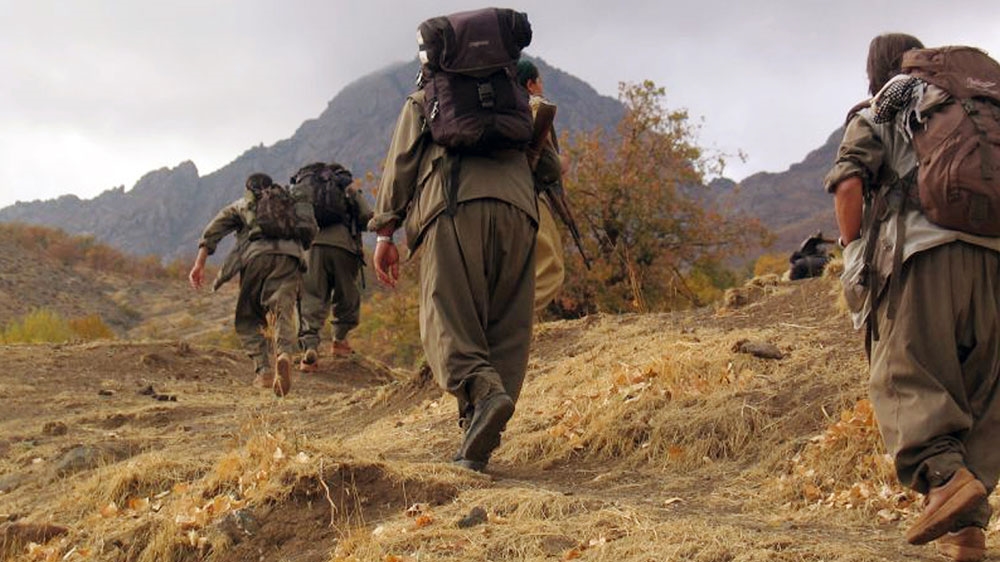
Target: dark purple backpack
{"points": [[472, 101]]}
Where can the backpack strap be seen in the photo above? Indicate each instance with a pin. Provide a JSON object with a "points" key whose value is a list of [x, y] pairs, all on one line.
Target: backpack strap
{"points": [[893, 199]]}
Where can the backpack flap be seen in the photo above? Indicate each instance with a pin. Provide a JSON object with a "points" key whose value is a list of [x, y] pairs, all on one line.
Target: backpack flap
{"points": [[473, 42], [964, 72]]}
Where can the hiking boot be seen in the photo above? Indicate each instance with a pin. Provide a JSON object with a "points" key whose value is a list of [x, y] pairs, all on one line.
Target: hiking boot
{"points": [[264, 379], [310, 361], [944, 505], [341, 348], [965, 545], [283, 382], [483, 435]]}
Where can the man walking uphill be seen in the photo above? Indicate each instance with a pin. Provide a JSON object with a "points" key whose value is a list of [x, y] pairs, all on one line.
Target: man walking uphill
{"points": [[458, 182], [335, 259], [273, 227], [922, 273]]}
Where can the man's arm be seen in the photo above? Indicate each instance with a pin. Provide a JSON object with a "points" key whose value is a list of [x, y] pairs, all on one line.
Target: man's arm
{"points": [[226, 221], [397, 188], [848, 202], [402, 165], [197, 275]]}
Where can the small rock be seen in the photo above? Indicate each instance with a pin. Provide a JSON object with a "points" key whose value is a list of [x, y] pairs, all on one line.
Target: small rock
{"points": [[54, 428], [475, 517], [78, 459], [148, 391], [238, 525], [763, 350], [24, 533], [555, 545], [105, 392], [165, 397], [86, 457], [9, 482]]}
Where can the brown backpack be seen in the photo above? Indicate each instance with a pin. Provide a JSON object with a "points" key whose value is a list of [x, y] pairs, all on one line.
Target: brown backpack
{"points": [[958, 149], [472, 100], [274, 214]]}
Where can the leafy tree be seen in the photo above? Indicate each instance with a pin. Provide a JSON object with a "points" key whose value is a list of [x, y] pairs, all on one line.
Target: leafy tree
{"points": [[641, 202]]}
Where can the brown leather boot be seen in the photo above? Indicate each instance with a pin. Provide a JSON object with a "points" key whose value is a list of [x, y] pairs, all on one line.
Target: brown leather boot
{"points": [[965, 545], [341, 348], [943, 506], [283, 382], [310, 361], [264, 379]]}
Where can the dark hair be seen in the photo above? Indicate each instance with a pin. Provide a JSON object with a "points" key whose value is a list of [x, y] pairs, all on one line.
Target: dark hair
{"points": [[258, 181], [885, 57], [526, 70]]}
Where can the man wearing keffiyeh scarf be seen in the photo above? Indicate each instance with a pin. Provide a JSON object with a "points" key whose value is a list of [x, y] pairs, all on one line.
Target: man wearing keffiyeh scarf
{"points": [[934, 344]]}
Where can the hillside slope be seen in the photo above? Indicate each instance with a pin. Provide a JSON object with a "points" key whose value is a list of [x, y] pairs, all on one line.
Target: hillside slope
{"points": [[637, 437]]}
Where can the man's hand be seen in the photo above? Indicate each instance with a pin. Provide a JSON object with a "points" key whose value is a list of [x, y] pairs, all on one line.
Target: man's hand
{"points": [[387, 263], [197, 276]]}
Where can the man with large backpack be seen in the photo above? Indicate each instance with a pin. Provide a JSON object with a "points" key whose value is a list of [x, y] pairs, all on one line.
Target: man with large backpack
{"points": [[922, 274], [458, 182], [335, 259], [273, 228]]}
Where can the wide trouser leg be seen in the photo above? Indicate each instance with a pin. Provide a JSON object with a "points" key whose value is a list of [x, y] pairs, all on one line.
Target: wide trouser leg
{"points": [[268, 283], [279, 296], [477, 296], [550, 268], [935, 368], [346, 292], [314, 303]]}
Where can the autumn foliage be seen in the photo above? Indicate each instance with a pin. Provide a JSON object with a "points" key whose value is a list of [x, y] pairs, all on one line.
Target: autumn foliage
{"points": [[76, 250], [641, 203]]}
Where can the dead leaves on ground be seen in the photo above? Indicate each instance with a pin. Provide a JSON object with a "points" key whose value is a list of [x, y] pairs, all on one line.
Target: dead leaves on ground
{"points": [[852, 441]]}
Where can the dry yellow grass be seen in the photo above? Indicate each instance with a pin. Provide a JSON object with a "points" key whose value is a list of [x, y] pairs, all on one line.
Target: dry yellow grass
{"points": [[638, 437]]}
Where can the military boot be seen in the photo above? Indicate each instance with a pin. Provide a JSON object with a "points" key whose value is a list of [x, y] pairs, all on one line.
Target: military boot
{"points": [[483, 435]]}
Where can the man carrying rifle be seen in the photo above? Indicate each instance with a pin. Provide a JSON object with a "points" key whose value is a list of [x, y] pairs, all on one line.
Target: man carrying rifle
{"points": [[547, 167]]}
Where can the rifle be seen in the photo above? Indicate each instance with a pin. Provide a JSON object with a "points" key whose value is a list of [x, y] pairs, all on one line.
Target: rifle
{"points": [[551, 183]]}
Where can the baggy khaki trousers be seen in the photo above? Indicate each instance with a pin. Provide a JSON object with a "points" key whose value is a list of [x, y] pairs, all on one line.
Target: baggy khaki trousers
{"points": [[477, 287], [935, 371], [550, 268], [268, 283], [332, 275]]}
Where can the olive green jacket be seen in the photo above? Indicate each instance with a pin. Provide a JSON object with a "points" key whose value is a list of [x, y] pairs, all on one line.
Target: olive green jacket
{"points": [[238, 217], [341, 235], [413, 188]]}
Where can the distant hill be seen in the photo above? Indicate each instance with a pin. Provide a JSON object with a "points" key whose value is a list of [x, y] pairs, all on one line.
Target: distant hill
{"points": [[166, 210], [792, 203]]}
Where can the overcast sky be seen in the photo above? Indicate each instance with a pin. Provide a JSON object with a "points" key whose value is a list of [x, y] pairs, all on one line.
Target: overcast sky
{"points": [[97, 92]]}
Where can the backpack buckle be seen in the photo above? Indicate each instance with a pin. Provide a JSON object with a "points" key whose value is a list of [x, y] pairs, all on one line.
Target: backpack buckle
{"points": [[487, 97], [435, 109]]}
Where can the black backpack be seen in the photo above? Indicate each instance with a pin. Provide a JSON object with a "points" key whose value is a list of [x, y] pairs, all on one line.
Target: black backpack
{"points": [[274, 214], [326, 183], [472, 100]]}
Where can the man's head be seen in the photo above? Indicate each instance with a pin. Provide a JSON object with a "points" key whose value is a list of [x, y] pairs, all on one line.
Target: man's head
{"points": [[527, 76], [885, 57], [259, 182]]}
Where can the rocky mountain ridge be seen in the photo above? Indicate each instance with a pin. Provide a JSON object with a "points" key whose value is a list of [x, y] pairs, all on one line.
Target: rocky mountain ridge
{"points": [[166, 210]]}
